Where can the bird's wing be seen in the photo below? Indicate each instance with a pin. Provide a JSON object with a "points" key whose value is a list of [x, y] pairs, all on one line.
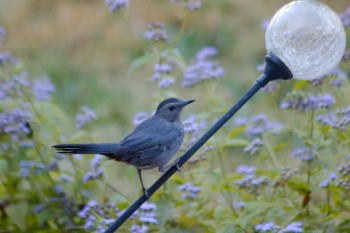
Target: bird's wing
{"points": [[149, 140]]}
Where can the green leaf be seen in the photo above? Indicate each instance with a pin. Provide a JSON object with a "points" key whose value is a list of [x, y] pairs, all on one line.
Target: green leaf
{"points": [[18, 213], [3, 167], [299, 186], [299, 85], [234, 133], [139, 62], [237, 142]]}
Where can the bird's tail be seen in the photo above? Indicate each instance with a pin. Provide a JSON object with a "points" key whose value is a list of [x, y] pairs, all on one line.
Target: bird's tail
{"points": [[107, 149]]}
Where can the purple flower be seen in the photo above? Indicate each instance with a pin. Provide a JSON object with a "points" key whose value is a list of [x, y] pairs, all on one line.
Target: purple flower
{"points": [[193, 127], [250, 181], [202, 67], [240, 205], [265, 24], [304, 154], [96, 161], [117, 5], [303, 102], [149, 218], [345, 17], [346, 55], [260, 124], [191, 5], [240, 121], [14, 122], [156, 32], [38, 208], [165, 83], [66, 178], [244, 169], [42, 88], [326, 101], [324, 183], [139, 229], [7, 59], [2, 34], [338, 119], [189, 191], [344, 171], [92, 175], [266, 227], [25, 166], [163, 69], [148, 206], [254, 146], [294, 227], [270, 87], [261, 67], [90, 221], [86, 116]]}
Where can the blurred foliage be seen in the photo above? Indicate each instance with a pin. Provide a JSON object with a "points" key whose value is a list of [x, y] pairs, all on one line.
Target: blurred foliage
{"points": [[286, 164]]}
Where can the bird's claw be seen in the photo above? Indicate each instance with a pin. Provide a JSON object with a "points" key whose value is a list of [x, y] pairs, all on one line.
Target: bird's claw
{"points": [[145, 193], [175, 163]]}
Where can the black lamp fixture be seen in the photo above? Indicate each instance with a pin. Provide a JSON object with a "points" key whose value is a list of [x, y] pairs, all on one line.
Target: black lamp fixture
{"points": [[305, 39]]}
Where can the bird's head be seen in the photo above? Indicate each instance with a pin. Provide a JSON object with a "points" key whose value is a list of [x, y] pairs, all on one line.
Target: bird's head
{"points": [[170, 109]]}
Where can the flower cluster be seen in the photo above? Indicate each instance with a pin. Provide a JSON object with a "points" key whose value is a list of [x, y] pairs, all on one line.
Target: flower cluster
{"points": [[285, 175], [7, 59], [331, 177], [162, 71], [156, 32], [344, 180], [86, 116], [106, 213], [254, 146], [258, 125], [191, 5], [117, 5], [271, 227], [14, 123], [266, 227], [2, 35], [189, 191], [337, 119], [251, 182], [202, 67], [95, 168], [294, 227], [146, 215], [345, 17], [43, 88], [193, 127], [303, 102], [304, 154], [20, 85]]}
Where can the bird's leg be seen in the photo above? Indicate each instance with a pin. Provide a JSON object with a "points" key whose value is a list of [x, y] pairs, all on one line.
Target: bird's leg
{"points": [[143, 187], [176, 163]]}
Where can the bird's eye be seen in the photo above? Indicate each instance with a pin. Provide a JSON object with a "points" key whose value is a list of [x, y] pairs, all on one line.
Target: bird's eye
{"points": [[171, 108]]}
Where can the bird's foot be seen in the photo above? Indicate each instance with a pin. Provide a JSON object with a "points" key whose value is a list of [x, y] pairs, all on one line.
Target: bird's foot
{"points": [[145, 193], [175, 163]]}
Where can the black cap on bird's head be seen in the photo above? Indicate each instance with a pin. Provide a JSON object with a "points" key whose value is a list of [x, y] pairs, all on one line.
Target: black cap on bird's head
{"points": [[170, 109]]}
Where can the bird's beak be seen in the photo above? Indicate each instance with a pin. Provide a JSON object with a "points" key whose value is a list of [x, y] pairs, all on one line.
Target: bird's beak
{"points": [[186, 102]]}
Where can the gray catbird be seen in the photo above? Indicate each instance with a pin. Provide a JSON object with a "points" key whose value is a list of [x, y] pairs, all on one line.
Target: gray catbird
{"points": [[152, 144]]}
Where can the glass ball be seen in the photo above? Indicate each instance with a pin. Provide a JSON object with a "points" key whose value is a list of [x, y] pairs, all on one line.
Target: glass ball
{"points": [[308, 37]]}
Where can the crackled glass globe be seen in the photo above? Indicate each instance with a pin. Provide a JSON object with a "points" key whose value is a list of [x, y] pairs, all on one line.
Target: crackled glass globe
{"points": [[308, 37]]}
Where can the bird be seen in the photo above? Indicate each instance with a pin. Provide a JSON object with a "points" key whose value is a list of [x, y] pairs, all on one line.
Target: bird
{"points": [[153, 142]]}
